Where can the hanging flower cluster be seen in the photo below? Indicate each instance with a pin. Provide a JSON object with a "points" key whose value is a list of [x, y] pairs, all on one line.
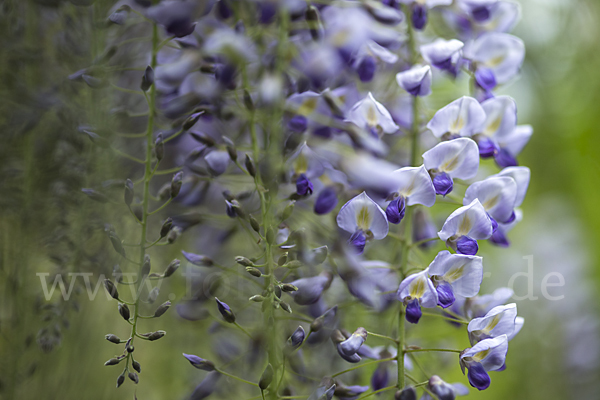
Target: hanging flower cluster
{"points": [[308, 128]]}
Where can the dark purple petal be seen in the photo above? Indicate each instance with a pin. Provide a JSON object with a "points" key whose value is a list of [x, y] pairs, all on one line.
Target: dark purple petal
{"points": [[395, 210], [419, 16], [225, 311], [323, 131], [478, 378], [494, 223], [485, 78], [510, 219], [445, 294], [505, 159], [443, 183], [380, 378], [297, 337], [197, 259], [297, 123], [304, 186], [481, 14], [487, 147], [441, 389], [466, 245], [267, 11], [200, 363], [354, 358], [413, 311], [499, 239], [366, 69], [326, 201], [358, 240], [206, 387]]}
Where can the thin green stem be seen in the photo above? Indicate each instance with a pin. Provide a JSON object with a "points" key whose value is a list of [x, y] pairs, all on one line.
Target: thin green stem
{"points": [[235, 377], [428, 350], [241, 328], [382, 336]]}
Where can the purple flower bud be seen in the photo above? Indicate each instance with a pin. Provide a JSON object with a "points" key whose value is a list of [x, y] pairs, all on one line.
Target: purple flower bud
{"points": [[395, 210], [352, 344], [358, 240], [485, 78], [487, 147], [380, 378], [326, 201], [419, 16], [366, 69], [303, 185], [223, 9], [504, 159], [267, 11], [413, 311], [466, 245], [198, 259], [297, 338], [442, 182], [225, 311], [441, 389], [225, 75], [200, 363], [478, 377], [481, 14], [445, 294], [409, 393], [206, 387], [310, 289], [297, 123]]}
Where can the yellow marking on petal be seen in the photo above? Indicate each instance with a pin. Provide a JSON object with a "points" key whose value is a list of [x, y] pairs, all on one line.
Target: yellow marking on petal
{"points": [[481, 355], [308, 106], [372, 116], [449, 165], [417, 288], [465, 226], [494, 62], [494, 126], [491, 202], [492, 324], [301, 164], [454, 273], [363, 218], [457, 125]]}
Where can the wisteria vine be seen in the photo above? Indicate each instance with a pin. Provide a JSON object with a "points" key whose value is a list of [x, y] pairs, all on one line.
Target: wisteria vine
{"points": [[269, 115]]}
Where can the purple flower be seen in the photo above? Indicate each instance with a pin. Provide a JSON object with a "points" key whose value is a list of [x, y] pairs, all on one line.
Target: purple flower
{"points": [[455, 274], [498, 321], [395, 210], [487, 355], [372, 116], [462, 117], [443, 54], [500, 53], [200, 363], [310, 289], [414, 186], [416, 81], [351, 345], [497, 194], [304, 186], [225, 311], [361, 214], [326, 201], [458, 158], [417, 291], [465, 226]]}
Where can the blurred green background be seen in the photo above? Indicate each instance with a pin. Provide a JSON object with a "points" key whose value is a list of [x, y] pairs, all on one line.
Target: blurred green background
{"points": [[43, 224]]}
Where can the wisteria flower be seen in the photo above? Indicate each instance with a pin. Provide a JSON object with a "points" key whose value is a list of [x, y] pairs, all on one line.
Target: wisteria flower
{"points": [[497, 195], [478, 10], [364, 219], [419, 10], [417, 291], [458, 158], [455, 274], [416, 81], [443, 54], [414, 187], [462, 117], [371, 115], [487, 355], [465, 226], [511, 145], [498, 321], [500, 121]]}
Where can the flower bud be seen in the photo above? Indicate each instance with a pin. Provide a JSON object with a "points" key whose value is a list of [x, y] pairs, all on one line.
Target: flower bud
{"points": [[231, 150], [203, 138], [254, 223], [266, 378], [111, 288], [162, 309], [191, 120], [248, 101], [116, 243], [176, 183], [282, 259], [288, 288], [254, 271], [124, 311], [156, 335], [287, 211], [441, 389], [147, 79], [408, 393], [113, 338], [225, 311], [270, 235], [198, 259], [134, 377], [173, 235], [297, 338], [257, 298], [136, 365], [159, 147], [314, 23], [172, 268], [113, 361], [120, 380], [145, 270], [244, 261], [166, 227], [95, 195], [285, 307], [200, 363], [250, 166], [128, 194]]}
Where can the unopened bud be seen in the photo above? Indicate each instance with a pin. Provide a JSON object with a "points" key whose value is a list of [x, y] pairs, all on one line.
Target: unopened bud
{"points": [[128, 194], [173, 235], [248, 101], [172, 268], [282, 259], [191, 120], [254, 223], [257, 298], [116, 243], [176, 183], [113, 338], [156, 335], [408, 393], [134, 377], [136, 365], [287, 211], [166, 227], [254, 271], [120, 380], [162, 309], [111, 288], [124, 311], [231, 150], [147, 79], [95, 195], [288, 287], [225, 311], [244, 261], [250, 166], [145, 270], [266, 378], [285, 307], [113, 361], [294, 264], [159, 147], [270, 235]]}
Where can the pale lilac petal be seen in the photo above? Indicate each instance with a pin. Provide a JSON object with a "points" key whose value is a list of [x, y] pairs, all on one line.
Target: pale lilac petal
{"points": [[470, 220], [519, 322], [501, 52], [441, 51], [419, 286], [416, 81], [369, 114], [462, 117], [362, 213], [521, 175], [497, 194], [515, 141], [498, 321], [415, 184], [459, 158], [463, 272], [500, 116], [491, 353]]}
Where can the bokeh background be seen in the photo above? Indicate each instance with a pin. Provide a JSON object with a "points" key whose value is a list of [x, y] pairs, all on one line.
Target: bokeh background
{"points": [[47, 226]]}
